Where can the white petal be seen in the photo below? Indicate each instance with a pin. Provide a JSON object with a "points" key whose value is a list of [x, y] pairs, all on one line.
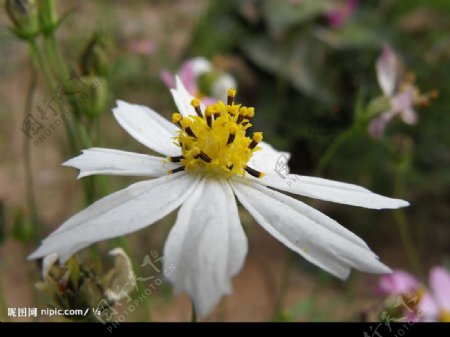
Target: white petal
{"points": [[200, 65], [221, 85], [330, 190], [183, 99], [120, 213], [47, 263], [388, 70], [147, 127], [269, 160], [310, 235], [206, 246], [115, 162]]}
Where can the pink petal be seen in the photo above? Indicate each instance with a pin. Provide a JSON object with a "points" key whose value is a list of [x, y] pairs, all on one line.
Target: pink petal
{"points": [[409, 116], [167, 78], [398, 283], [208, 100], [188, 78], [403, 100], [341, 13], [378, 124], [440, 285], [388, 68], [428, 308]]}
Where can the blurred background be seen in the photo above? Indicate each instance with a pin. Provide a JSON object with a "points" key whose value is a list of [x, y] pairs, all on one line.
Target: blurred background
{"points": [[309, 69]]}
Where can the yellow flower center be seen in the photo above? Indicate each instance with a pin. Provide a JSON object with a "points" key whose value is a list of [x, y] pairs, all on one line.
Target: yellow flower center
{"points": [[215, 141]]}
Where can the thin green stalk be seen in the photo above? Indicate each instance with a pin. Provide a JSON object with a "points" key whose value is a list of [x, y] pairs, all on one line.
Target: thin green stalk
{"points": [[404, 231], [285, 281], [55, 52], [36, 53], [193, 314], [401, 220], [90, 187], [335, 145], [3, 305], [41, 61], [29, 183]]}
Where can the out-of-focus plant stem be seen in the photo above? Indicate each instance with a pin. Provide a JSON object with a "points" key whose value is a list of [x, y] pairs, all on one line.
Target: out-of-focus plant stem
{"points": [[277, 312], [329, 154], [401, 219], [37, 55], [54, 54], [193, 314], [3, 305], [29, 183]]}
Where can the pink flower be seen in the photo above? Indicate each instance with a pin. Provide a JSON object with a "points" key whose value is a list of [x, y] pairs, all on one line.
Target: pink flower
{"points": [[401, 97], [435, 304], [399, 89], [341, 13], [190, 73], [398, 283]]}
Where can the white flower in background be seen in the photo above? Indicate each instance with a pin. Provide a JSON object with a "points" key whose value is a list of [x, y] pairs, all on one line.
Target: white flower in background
{"points": [[202, 80], [399, 88], [209, 161]]}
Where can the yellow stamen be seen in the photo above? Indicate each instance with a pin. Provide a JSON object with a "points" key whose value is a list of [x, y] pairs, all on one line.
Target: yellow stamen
{"points": [[196, 104], [231, 95], [216, 144], [176, 118], [257, 138]]}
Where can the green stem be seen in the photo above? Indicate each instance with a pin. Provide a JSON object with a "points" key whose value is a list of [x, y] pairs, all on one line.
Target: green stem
{"points": [[29, 183], [3, 305], [41, 61], [407, 240], [403, 227], [193, 314], [329, 154], [55, 53], [285, 280], [36, 53]]}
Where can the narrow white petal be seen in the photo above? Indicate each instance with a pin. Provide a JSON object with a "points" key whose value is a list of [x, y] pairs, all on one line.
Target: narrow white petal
{"points": [[316, 216], [312, 236], [47, 263], [120, 213], [269, 160], [115, 162], [330, 190], [183, 99], [206, 246], [147, 127]]}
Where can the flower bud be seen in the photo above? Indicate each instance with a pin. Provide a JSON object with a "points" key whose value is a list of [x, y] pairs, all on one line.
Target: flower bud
{"points": [[77, 285], [90, 92], [48, 17], [95, 59], [24, 15]]}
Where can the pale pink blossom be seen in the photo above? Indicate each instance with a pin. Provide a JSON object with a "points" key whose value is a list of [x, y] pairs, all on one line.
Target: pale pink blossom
{"points": [[398, 283], [341, 13], [435, 304], [400, 93], [189, 74]]}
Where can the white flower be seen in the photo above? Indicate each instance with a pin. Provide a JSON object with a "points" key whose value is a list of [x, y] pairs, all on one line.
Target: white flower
{"points": [[212, 161]]}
